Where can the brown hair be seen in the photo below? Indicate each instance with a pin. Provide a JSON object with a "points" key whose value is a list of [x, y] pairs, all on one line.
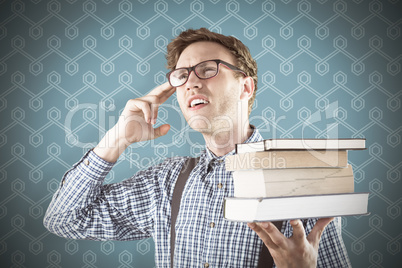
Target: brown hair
{"points": [[241, 53]]}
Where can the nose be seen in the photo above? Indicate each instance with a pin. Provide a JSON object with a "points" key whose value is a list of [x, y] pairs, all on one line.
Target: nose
{"points": [[193, 81]]}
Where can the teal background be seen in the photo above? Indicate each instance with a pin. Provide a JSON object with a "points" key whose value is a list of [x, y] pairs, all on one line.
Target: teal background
{"points": [[67, 68]]}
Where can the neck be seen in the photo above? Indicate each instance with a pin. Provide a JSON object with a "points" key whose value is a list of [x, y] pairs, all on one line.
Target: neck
{"points": [[223, 141]]}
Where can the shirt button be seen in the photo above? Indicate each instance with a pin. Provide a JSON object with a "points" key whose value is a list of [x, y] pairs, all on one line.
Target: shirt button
{"points": [[212, 225], [220, 185], [206, 265], [86, 162]]}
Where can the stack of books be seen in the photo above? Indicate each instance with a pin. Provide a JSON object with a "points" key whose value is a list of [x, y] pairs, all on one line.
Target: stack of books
{"points": [[281, 179]]}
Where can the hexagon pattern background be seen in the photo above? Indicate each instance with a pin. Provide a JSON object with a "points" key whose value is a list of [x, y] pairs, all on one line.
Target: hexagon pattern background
{"points": [[327, 68]]}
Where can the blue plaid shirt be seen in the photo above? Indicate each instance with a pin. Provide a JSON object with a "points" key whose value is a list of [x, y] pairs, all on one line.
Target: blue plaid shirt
{"points": [[139, 207]]}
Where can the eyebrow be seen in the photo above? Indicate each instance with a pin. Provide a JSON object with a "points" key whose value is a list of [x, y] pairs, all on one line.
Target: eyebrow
{"points": [[196, 63]]}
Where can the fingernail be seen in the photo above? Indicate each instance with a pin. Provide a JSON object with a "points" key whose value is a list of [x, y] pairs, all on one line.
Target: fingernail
{"points": [[265, 225], [295, 222], [153, 121], [251, 225]]}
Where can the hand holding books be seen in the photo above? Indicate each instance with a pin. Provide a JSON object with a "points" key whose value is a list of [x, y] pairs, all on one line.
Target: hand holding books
{"points": [[296, 251], [277, 180]]}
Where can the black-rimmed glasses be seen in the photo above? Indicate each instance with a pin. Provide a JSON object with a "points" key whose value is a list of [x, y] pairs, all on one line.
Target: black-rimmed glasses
{"points": [[203, 70]]}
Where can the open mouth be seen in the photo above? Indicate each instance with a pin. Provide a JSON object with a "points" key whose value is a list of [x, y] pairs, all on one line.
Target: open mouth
{"points": [[197, 102]]}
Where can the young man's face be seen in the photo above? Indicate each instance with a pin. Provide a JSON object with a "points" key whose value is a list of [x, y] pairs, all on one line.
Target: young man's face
{"points": [[220, 95]]}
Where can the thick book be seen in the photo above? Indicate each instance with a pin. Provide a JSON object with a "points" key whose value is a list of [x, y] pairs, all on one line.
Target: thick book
{"points": [[301, 144], [295, 207], [287, 159], [291, 182]]}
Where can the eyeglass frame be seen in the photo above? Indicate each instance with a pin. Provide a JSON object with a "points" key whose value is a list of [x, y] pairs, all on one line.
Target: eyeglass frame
{"points": [[190, 69]]}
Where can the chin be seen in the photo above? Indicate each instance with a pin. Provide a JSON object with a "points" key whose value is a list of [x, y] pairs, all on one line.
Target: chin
{"points": [[200, 124], [215, 127]]}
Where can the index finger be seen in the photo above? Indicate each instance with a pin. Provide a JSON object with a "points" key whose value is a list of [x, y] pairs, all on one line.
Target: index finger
{"points": [[163, 92], [298, 230], [262, 233]]}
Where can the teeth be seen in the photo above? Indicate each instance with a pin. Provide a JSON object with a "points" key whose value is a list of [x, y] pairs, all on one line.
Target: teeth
{"points": [[197, 101]]}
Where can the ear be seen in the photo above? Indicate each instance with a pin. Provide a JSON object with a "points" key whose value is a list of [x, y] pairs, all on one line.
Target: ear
{"points": [[247, 88]]}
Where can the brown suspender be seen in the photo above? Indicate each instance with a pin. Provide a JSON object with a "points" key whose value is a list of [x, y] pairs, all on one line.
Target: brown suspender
{"points": [[175, 206], [265, 259]]}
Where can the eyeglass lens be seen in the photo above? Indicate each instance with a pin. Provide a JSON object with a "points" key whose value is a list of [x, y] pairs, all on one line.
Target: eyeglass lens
{"points": [[203, 70]]}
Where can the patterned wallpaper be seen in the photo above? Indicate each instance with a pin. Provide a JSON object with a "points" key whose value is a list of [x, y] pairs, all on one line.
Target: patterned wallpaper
{"points": [[67, 67]]}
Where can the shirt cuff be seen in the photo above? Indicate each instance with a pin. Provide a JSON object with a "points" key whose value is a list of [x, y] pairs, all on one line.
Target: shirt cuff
{"points": [[93, 166]]}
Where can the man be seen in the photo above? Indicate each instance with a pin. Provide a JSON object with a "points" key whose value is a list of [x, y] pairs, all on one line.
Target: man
{"points": [[214, 77]]}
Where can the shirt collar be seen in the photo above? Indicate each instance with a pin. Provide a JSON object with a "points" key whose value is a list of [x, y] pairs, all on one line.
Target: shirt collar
{"points": [[209, 157]]}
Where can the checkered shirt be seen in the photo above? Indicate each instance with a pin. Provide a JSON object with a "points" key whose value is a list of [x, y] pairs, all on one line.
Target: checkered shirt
{"points": [[140, 207]]}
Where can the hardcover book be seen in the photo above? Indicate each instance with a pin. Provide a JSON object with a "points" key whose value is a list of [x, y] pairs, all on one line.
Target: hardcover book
{"points": [[286, 159], [295, 207], [301, 144], [290, 182]]}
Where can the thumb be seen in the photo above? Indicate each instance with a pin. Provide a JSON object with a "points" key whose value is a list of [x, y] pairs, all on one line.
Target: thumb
{"points": [[161, 131]]}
